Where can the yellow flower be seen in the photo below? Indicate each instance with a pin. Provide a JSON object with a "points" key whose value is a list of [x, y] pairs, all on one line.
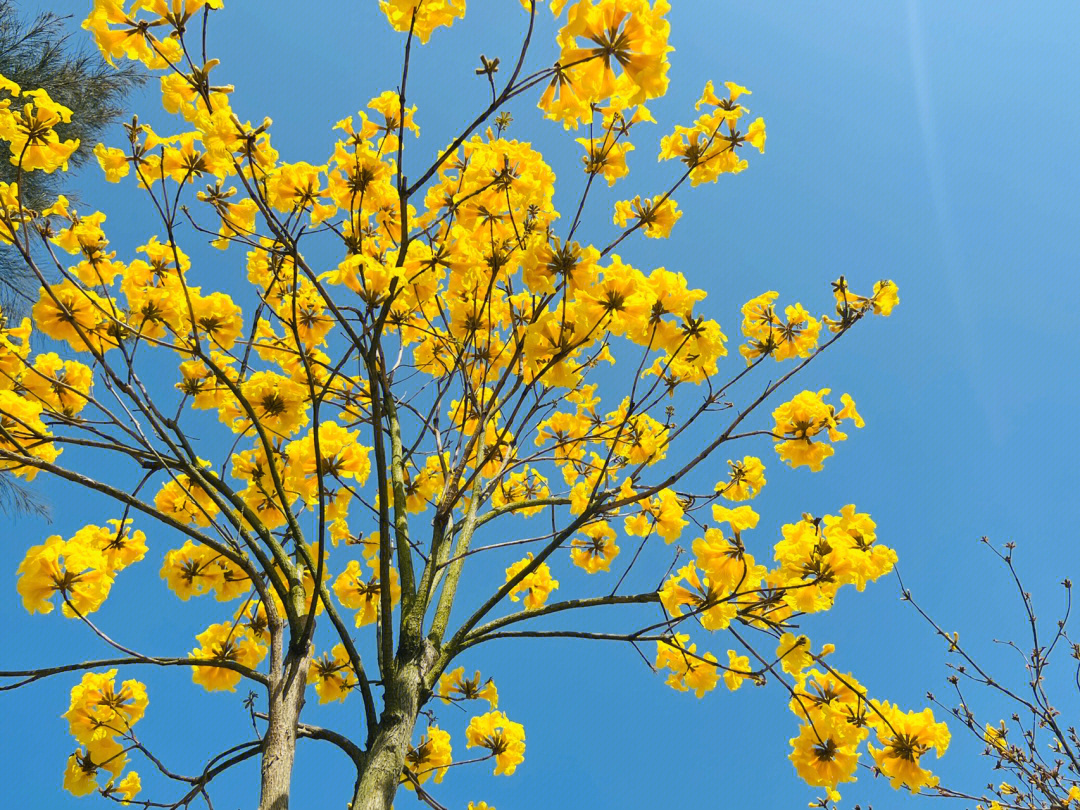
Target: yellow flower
{"points": [[595, 551], [656, 216], [422, 16], [708, 148], [185, 500], [128, 787], [800, 424], [432, 755], [61, 386], [851, 306], [740, 518], [214, 318], [353, 592], [708, 600], [688, 669], [72, 568], [996, 736], [794, 653], [885, 297], [454, 686], [504, 738], [131, 40], [853, 537], [755, 135], [80, 776], [298, 187], [738, 670], [521, 487], [120, 545], [905, 738], [191, 570], [24, 433], [821, 757], [662, 514], [745, 481], [9, 86], [341, 457], [31, 134], [726, 563], [99, 710], [225, 642], [279, 403], [81, 317], [83, 236], [628, 35], [537, 585], [112, 161], [606, 157], [332, 675], [14, 349]]}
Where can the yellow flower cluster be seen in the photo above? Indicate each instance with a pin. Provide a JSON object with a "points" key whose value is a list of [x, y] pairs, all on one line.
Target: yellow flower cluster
{"points": [[803, 424], [814, 559], [194, 569], [332, 675], [817, 557], [525, 485], [723, 577], [905, 737], [431, 756], [850, 306], [136, 41], [596, 548], [454, 686], [30, 392], [99, 713], [14, 349], [745, 479], [612, 51], [689, 670], [30, 130], [662, 514], [656, 216], [226, 641], [504, 738], [536, 585], [836, 717], [365, 596], [81, 569], [795, 335], [707, 149], [23, 432], [421, 17]]}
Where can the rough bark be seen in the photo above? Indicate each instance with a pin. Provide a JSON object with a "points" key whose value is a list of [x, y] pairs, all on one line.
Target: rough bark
{"points": [[279, 743], [385, 758]]}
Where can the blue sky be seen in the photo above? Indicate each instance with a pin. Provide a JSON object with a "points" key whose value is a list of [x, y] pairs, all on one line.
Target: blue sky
{"points": [[930, 143]]}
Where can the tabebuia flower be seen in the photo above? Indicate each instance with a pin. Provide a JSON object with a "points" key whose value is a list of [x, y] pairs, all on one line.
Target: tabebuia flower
{"points": [[504, 738]]}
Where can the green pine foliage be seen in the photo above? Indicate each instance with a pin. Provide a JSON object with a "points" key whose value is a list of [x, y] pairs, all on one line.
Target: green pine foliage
{"points": [[39, 53]]}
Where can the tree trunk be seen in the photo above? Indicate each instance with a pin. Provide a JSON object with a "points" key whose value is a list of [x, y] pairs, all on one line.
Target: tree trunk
{"points": [[385, 759], [279, 743]]}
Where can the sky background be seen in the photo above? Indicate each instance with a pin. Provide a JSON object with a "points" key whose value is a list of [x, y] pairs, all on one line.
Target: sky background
{"points": [[930, 143]]}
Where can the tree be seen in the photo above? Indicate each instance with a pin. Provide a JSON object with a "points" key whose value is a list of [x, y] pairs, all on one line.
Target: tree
{"points": [[1022, 723], [39, 54], [416, 370]]}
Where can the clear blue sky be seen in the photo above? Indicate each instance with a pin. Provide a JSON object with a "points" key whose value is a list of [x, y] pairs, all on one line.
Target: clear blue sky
{"points": [[930, 143]]}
